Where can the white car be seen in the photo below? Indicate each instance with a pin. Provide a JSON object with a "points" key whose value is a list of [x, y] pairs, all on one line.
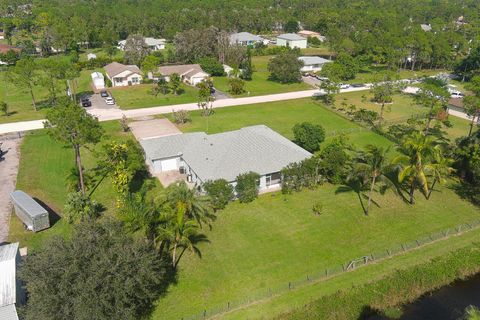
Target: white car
{"points": [[110, 101], [343, 86], [456, 94]]}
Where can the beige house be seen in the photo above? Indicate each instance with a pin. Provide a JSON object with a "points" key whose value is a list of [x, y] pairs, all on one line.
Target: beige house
{"points": [[189, 73], [313, 34], [122, 75]]}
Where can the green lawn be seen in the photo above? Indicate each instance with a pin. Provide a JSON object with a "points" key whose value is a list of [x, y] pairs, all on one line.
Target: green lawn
{"points": [[260, 84], [402, 108], [370, 74], [44, 165], [140, 96], [20, 101], [282, 116]]}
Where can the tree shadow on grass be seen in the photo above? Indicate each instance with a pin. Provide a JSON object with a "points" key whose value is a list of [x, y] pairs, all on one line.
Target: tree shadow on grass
{"points": [[53, 216], [371, 313]]}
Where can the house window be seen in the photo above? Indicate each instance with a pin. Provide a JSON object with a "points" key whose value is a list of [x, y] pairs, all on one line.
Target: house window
{"points": [[273, 179], [135, 80], [118, 80]]}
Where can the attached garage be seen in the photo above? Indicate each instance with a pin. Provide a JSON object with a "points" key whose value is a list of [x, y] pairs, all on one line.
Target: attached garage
{"points": [[163, 165]]}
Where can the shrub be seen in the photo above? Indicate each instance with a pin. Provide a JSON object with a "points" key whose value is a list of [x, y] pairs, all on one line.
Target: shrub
{"points": [[181, 116], [299, 175], [317, 208], [79, 207], [212, 66], [4, 108], [237, 86], [309, 136], [334, 160], [247, 186], [220, 192], [124, 124]]}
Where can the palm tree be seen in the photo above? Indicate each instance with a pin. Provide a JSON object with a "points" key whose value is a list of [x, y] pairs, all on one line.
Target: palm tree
{"points": [[198, 208], [439, 170], [418, 154], [382, 93], [181, 234], [139, 216], [373, 165], [472, 109]]}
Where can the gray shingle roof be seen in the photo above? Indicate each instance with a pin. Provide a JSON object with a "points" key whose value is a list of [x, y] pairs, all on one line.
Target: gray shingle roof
{"points": [[226, 155], [244, 37], [291, 37], [310, 60]]}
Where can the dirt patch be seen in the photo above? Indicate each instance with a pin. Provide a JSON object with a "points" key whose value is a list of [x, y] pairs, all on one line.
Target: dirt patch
{"points": [[9, 160], [153, 128]]}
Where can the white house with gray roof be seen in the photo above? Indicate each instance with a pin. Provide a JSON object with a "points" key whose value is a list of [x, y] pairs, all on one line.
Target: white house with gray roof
{"points": [[10, 287], [202, 157], [313, 63], [246, 39], [291, 40]]}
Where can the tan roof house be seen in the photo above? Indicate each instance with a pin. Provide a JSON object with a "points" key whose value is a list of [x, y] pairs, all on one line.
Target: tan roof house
{"points": [[189, 73], [313, 34], [122, 75]]}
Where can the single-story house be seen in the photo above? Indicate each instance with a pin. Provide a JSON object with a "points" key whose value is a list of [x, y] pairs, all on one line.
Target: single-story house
{"points": [[189, 73], [291, 40], [313, 63], [11, 293], [202, 157], [246, 39], [98, 80], [91, 56], [122, 75], [313, 34], [152, 43], [4, 48]]}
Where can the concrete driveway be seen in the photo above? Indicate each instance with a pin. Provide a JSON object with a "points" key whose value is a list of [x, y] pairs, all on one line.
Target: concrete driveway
{"points": [[314, 82], [153, 128]]}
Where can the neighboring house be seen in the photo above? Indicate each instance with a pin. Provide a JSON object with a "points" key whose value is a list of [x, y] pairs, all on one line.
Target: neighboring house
{"points": [[10, 287], [189, 73], [152, 43], [91, 56], [291, 40], [313, 63], [246, 39], [4, 48], [122, 75], [202, 157], [426, 27], [98, 80], [313, 34], [2, 35]]}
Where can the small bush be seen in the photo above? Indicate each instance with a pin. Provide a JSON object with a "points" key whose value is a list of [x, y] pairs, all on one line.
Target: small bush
{"points": [[247, 186], [124, 124], [309, 136], [220, 192], [317, 208], [181, 116], [237, 86], [79, 207]]}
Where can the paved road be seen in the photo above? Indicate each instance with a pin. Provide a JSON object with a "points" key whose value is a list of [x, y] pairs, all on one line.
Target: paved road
{"points": [[115, 114], [8, 173]]}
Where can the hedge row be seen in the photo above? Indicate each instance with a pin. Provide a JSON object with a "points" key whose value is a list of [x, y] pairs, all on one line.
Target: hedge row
{"points": [[402, 287]]}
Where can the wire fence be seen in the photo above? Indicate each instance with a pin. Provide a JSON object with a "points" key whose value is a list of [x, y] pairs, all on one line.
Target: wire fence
{"points": [[333, 271]]}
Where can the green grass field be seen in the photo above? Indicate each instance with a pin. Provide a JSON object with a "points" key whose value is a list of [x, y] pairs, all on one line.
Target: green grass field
{"points": [[260, 84], [277, 239], [44, 165], [140, 96]]}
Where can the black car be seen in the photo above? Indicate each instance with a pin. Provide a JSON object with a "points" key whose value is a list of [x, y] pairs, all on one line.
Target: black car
{"points": [[104, 94], [85, 102]]}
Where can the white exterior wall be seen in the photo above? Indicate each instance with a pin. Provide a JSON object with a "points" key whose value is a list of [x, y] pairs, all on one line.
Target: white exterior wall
{"points": [[125, 81], [158, 165], [281, 42], [302, 44]]}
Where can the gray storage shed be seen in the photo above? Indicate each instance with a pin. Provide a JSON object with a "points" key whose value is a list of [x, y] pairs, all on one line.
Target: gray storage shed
{"points": [[33, 215]]}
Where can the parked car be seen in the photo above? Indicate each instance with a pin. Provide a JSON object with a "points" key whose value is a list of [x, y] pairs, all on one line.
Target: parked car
{"points": [[110, 101], [456, 94], [343, 86], [85, 102], [357, 85], [104, 94]]}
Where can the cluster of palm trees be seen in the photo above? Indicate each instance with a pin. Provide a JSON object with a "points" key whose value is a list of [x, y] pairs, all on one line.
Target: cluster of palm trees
{"points": [[172, 222], [418, 163]]}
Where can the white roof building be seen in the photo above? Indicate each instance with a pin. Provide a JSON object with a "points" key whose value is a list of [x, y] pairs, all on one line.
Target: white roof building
{"points": [[246, 39], [291, 40], [152, 43], [98, 80], [91, 56], [10, 293], [313, 63]]}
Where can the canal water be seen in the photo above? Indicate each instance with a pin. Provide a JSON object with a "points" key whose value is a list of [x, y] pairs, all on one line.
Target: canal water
{"points": [[446, 303]]}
